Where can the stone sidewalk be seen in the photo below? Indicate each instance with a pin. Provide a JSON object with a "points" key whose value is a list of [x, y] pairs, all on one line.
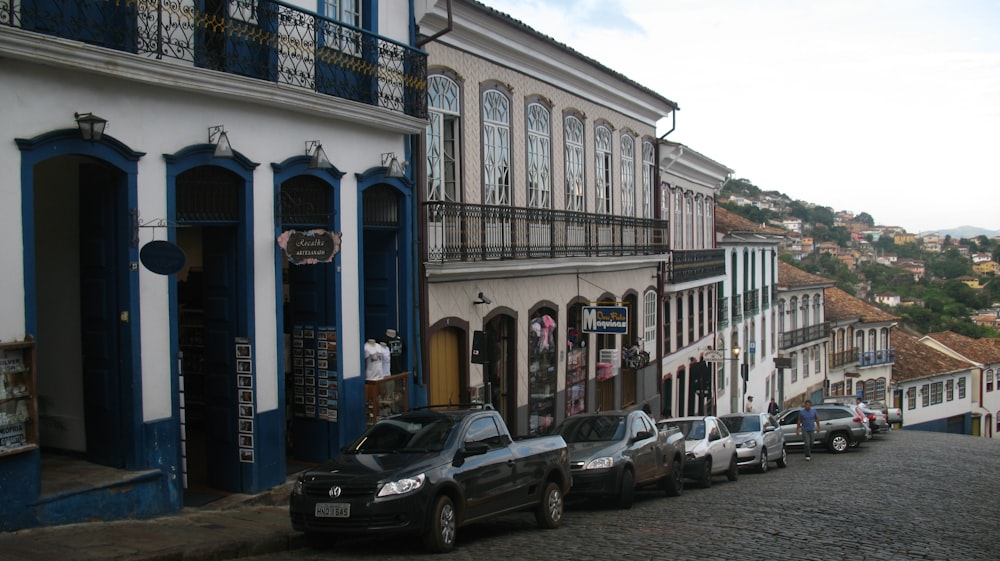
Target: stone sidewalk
{"points": [[235, 527]]}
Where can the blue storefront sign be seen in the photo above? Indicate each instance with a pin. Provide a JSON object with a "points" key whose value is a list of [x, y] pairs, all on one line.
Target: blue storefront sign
{"points": [[605, 319]]}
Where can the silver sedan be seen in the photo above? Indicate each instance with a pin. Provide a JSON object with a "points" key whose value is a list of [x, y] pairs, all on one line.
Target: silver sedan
{"points": [[759, 440]]}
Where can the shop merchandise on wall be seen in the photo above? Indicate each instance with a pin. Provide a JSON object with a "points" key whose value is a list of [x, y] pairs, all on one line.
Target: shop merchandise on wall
{"points": [[542, 366], [314, 367]]}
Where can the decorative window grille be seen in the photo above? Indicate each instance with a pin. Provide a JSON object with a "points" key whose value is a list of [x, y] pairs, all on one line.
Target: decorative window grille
{"points": [[496, 148], [573, 140], [442, 139], [648, 176], [628, 175], [602, 145], [539, 159]]}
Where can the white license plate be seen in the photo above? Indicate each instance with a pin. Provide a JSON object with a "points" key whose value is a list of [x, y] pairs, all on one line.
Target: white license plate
{"points": [[333, 510]]}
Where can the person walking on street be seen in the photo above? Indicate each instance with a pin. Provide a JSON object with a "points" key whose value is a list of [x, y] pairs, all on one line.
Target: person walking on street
{"points": [[808, 424], [750, 404], [772, 408]]}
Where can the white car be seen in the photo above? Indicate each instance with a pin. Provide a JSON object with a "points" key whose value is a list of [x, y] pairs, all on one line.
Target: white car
{"points": [[711, 450]]}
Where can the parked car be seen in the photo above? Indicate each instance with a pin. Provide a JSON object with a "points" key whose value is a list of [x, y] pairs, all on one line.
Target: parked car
{"points": [[759, 440], [876, 420], [428, 473], [841, 426], [709, 448], [612, 453]]}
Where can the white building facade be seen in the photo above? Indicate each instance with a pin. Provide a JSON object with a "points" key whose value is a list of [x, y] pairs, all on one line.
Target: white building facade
{"points": [[196, 278]]}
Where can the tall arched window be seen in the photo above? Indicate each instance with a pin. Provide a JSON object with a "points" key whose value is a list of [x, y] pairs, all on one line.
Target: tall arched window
{"points": [[496, 148], [648, 176], [539, 157], [573, 141], [628, 175], [678, 219], [443, 116], [699, 221], [602, 146], [688, 222]]}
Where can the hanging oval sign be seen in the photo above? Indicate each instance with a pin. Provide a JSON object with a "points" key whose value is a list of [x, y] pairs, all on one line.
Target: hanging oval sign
{"points": [[310, 247], [162, 257]]}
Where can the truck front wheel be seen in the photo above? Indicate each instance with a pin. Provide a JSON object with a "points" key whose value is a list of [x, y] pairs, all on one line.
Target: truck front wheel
{"points": [[550, 510], [442, 527]]}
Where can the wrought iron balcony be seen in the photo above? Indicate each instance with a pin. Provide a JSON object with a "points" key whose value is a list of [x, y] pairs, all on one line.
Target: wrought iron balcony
{"points": [[474, 232], [875, 358], [843, 358], [804, 335], [692, 265], [262, 39], [750, 305], [722, 316], [737, 307], [766, 297]]}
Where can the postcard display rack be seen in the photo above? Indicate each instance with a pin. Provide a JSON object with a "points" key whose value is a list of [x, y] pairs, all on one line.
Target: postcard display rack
{"points": [[314, 368], [18, 403]]}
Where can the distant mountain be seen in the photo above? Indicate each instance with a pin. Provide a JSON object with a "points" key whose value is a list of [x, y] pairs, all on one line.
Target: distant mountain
{"points": [[965, 232]]}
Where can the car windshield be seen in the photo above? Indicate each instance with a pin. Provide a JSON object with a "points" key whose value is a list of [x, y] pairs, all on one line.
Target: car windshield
{"points": [[742, 424], [410, 434], [692, 429], [592, 428]]}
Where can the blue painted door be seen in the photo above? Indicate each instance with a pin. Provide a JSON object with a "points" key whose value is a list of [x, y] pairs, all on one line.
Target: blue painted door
{"points": [[381, 283], [219, 367], [103, 327], [238, 37], [105, 24], [312, 303]]}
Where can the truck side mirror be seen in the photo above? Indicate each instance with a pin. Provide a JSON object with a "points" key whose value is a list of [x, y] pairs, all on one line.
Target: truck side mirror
{"points": [[642, 435], [475, 449]]}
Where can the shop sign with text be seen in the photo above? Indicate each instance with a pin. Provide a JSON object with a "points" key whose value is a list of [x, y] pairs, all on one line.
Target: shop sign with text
{"points": [[310, 247], [605, 319]]}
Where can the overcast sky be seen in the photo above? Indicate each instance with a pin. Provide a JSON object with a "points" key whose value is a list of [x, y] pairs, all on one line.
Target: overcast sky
{"points": [[890, 107]]}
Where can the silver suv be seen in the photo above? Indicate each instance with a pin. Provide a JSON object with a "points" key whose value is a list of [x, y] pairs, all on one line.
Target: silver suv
{"points": [[840, 427]]}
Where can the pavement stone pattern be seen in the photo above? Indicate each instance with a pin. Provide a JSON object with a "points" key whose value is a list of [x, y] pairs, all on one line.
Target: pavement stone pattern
{"points": [[904, 496]]}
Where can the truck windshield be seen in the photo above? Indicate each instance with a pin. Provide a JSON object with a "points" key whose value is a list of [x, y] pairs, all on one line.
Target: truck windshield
{"points": [[592, 428], [412, 434]]}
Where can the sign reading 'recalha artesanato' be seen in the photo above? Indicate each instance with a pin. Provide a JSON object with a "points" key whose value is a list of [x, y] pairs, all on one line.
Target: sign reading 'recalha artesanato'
{"points": [[605, 319], [310, 247]]}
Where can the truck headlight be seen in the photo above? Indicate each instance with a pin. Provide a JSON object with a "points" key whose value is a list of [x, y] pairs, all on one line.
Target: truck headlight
{"points": [[299, 487], [401, 486], [600, 463]]}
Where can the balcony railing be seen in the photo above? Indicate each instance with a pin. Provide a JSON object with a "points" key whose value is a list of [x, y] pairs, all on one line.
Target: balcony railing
{"points": [[804, 335], [766, 298], [750, 305], [692, 265], [722, 316], [472, 232], [737, 307], [875, 358], [262, 39], [843, 358]]}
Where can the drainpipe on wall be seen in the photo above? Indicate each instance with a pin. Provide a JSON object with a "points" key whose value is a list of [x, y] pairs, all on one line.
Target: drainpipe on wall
{"points": [[661, 271]]}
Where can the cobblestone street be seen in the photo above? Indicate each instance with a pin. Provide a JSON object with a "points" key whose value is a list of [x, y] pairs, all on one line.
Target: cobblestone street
{"points": [[904, 496]]}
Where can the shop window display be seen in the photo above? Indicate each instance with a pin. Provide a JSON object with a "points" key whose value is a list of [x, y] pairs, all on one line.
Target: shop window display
{"points": [[576, 371], [542, 365]]}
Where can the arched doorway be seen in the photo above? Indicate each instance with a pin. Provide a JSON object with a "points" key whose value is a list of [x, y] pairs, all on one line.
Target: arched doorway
{"points": [[447, 380], [500, 367]]}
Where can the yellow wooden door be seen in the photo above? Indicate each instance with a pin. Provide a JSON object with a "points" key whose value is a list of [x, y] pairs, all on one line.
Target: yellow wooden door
{"points": [[443, 383]]}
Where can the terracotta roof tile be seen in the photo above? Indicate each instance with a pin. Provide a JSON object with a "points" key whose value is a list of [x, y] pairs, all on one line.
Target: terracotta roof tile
{"points": [[917, 360], [983, 351], [790, 276], [727, 222], [840, 305]]}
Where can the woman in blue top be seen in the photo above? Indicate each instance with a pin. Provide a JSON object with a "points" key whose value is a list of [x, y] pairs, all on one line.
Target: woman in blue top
{"points": [[809, 424]]}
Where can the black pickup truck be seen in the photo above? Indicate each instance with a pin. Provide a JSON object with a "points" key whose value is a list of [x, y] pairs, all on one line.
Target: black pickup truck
{"points": [[428, 472]]}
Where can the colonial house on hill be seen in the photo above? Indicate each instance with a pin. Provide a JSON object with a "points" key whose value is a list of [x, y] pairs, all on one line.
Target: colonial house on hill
{"points": [[933, 388], [984, 353], [861, 347], [803, 331]]}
